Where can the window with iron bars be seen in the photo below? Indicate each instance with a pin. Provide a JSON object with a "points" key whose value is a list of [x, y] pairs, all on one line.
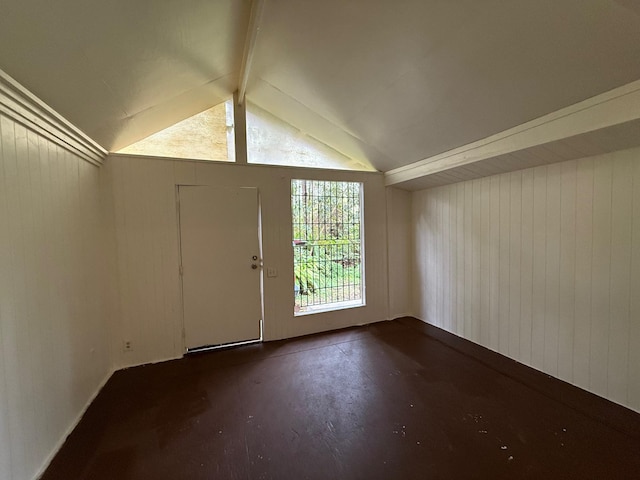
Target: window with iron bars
{"points": [[327, 245]]}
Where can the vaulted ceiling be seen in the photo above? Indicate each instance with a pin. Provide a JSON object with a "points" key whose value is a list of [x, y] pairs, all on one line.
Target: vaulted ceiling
{"points": [[388, 82], [121, 70]]}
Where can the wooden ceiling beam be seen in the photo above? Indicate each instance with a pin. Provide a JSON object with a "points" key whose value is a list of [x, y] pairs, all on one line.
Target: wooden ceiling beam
{"points": [[257, 7], [615, 108]]}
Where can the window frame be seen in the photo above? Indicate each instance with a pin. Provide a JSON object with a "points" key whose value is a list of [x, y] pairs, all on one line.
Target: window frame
{"points": [[343, 304]]}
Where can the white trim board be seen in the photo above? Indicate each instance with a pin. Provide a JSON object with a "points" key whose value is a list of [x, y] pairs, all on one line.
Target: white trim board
{"points": [[22, 106], [257, 7], [616, 107]]}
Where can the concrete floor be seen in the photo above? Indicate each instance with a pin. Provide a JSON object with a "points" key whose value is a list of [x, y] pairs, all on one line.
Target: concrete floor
{"points": [[393, 400]]}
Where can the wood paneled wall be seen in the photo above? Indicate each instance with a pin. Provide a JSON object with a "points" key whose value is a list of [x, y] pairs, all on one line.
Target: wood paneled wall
{"points": [[399, 244], [541, 265], [54, 296], [146, 225]]}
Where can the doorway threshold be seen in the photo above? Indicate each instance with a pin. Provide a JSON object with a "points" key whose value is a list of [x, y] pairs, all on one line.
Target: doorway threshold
{"points": [[210, 348]]}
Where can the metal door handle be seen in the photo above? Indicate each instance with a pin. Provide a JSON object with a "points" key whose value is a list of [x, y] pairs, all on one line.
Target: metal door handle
{"points": [[254, 266]]}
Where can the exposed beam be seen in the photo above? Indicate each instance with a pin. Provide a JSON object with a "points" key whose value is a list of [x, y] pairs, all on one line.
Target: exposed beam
{"points": [[240, 129], [257, 7], [615, 107]]}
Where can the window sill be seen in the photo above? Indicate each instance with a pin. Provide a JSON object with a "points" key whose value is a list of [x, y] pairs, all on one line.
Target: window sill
{"points": [[330, 307]]}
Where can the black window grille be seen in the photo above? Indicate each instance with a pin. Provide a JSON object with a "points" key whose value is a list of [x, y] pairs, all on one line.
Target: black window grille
{"points": [[327, 244]]}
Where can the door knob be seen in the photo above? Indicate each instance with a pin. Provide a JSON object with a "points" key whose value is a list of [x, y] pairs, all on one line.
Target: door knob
{"points": [[254, 257], [254, 266]]}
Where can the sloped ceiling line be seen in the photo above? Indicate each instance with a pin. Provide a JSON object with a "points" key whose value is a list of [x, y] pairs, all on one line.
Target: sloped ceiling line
{"points": [[22, 106], [384, 85], [257, 7], [300, 106], [579, 123]]}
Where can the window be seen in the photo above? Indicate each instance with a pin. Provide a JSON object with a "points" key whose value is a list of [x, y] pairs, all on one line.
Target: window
{"points": [[327, 245], [272, 141], [206, 136]]}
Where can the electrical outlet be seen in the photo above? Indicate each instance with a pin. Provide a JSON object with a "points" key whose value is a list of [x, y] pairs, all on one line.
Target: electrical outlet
{"points": [[272, 272], [127, 346]]}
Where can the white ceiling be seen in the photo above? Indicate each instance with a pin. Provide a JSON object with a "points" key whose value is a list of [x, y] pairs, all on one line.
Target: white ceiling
{"points": [[390, 82], [121, 70]]}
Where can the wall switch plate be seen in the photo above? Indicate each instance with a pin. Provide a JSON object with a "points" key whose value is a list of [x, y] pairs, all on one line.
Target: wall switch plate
{"points": [[272, 272]]}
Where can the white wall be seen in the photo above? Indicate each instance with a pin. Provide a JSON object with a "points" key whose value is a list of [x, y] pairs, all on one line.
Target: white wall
{"points": [[144, 205], [55, 294], [399, 256], [541, 265]]}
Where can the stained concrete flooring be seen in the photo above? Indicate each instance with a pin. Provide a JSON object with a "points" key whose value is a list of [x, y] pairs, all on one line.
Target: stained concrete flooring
{"points": [[392, 400]]}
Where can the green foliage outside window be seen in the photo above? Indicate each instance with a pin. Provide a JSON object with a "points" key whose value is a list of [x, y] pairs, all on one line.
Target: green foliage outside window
{"points": [[327, 242]]}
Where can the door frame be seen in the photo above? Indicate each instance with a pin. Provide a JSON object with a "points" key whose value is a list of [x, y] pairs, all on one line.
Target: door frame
{"points": [[183, 341]]}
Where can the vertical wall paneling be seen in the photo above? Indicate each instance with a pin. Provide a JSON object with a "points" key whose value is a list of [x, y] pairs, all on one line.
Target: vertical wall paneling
{"points": [[446, 258], [542, 265], [148, 259], [35, 269], [633, 343], [504, 285], [170, 257], [428, 304], [164, 254], [54, 311], [399, 251], [11, 307], [130, 291], [25, 276], [42, 187], [150, 269], [418, 267], [601, 278], [552, 268], [116, 179], [526, 266], [467, 330], [584, 272], [515, 266], [485, 261], [459, 189], [453, 258], [438, 238], [5, 452], [476, 256], [538, 297], [620, 281], [494, 259], [566, 315], [436, 258], [5, 306], [430, 220]]}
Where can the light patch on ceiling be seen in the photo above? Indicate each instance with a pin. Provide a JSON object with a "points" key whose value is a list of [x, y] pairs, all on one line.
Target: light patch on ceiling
{"points": [[272, 141], [205, 136]]}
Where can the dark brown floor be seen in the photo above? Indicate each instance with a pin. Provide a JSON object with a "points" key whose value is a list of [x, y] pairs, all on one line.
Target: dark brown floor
{"points": [[394, 400]]}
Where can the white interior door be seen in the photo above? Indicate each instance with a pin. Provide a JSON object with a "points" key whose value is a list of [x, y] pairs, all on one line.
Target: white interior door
{"points": [[220, 248]]}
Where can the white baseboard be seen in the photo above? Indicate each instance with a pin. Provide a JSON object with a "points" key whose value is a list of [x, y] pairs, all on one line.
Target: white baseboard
{"points": [[151, 362], [400, 315]]}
